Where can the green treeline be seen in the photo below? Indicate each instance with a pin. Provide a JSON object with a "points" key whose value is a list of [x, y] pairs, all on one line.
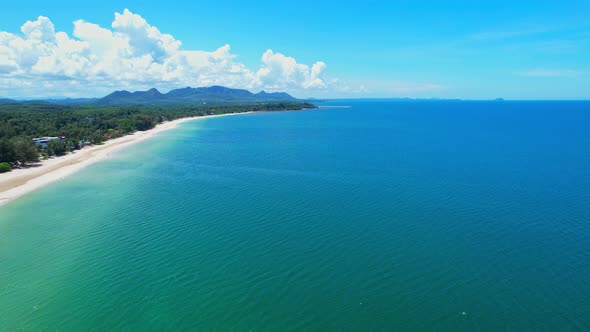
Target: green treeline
{"points": [[79, 125]]}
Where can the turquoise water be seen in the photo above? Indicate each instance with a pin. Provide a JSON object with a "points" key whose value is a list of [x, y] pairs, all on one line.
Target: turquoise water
{"points": [[391, 216]]}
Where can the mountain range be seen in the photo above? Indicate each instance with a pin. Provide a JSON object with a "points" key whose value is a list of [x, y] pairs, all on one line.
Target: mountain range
{"points": [[184, 96]]}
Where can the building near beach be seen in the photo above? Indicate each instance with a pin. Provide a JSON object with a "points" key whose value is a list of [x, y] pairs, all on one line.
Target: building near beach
{"points": [[44, 141]]}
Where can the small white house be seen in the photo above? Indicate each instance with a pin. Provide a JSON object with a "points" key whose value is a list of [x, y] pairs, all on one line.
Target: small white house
{"points": [[84, 143], [43, 141]]}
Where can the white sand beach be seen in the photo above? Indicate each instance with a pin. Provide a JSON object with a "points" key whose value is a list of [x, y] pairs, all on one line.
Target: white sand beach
{"points": [[19, 182]]}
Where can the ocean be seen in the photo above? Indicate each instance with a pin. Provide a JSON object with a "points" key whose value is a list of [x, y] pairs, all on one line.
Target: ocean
{"points": [[388, 215]]}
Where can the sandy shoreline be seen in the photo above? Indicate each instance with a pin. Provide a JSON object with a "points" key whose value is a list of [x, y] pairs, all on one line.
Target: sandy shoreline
{"points": [[23, 181]]}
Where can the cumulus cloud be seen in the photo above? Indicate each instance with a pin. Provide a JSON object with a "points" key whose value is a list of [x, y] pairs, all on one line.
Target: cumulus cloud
{"points": [[280, 71], [133, 54]]}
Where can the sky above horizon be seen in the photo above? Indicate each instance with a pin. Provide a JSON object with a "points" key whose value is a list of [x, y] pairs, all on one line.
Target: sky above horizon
{"points": [[327, 49]]}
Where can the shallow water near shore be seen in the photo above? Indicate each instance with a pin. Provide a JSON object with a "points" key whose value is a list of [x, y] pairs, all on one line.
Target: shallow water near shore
{"points": [[388, 215]]}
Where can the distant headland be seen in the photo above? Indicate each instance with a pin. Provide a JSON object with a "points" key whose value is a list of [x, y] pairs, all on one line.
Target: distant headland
{"points": [[177, 97], [43, 140]]}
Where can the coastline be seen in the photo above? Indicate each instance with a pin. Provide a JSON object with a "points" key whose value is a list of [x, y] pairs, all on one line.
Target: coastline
{"points": [[20, 182]]}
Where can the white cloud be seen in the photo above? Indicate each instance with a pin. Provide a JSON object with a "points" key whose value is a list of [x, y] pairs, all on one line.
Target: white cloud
{"points": [[549, 73], [42, 30], [143, 38], [283, 72], [133, 54]]}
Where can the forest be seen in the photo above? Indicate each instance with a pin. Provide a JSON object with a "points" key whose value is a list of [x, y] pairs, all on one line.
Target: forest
{"points": [[82, 125]]}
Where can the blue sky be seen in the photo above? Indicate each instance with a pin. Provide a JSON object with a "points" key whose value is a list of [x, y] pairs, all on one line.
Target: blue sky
{"points": [[446, 49]]}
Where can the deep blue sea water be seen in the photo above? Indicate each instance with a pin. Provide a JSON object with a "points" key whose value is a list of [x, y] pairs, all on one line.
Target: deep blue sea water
{"points": [[385, 216]]}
